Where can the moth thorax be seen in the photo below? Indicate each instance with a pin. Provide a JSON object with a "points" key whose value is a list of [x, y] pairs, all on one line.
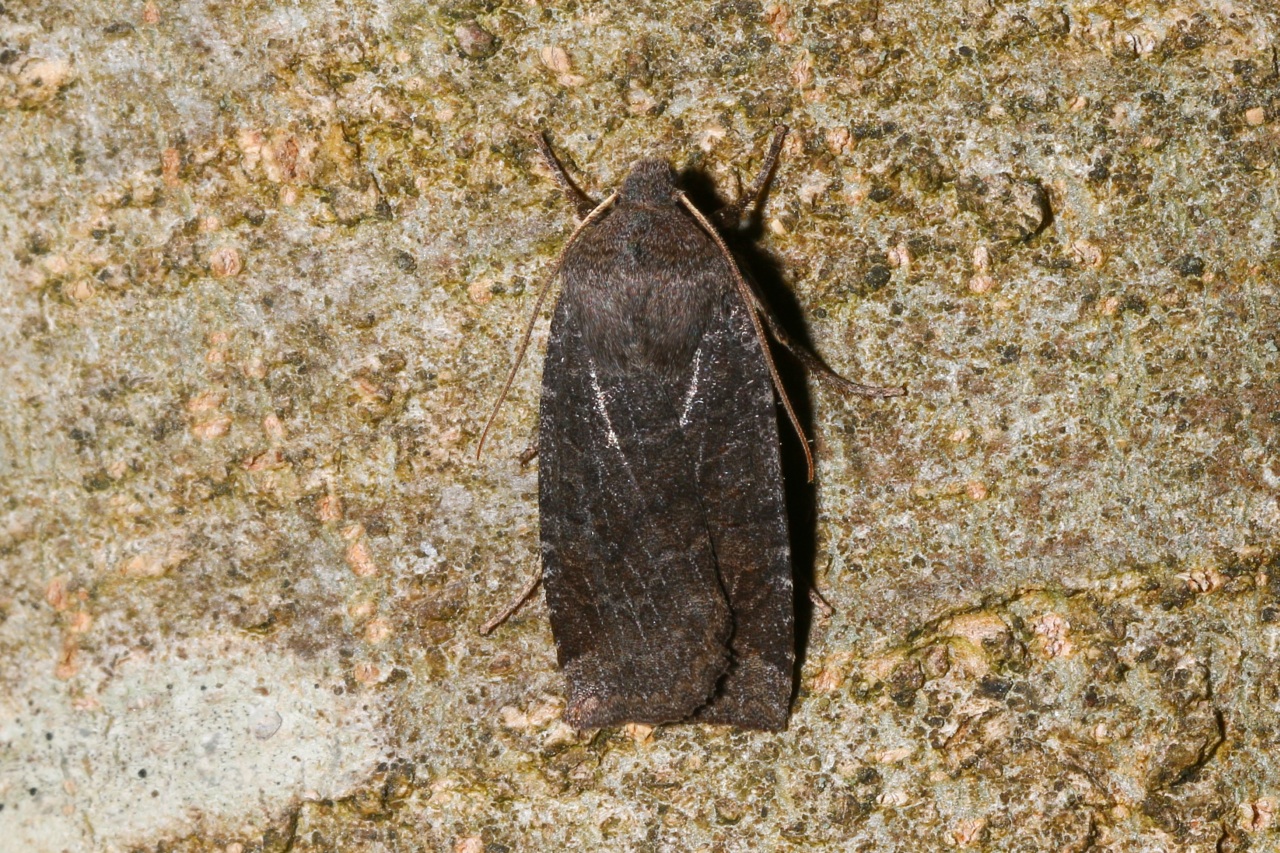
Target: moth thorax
{"points": [[651, 182]]}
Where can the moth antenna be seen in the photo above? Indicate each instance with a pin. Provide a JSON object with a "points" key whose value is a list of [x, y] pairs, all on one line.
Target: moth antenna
{"points": [[731, 215], [515, 605], [816, 366], [757, 189], [582, 203], [537, 307], [750, 304]]}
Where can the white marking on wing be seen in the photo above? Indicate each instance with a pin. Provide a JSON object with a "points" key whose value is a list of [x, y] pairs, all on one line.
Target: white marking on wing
{"points": [[632, 611], [693, 389], [603, 407]]}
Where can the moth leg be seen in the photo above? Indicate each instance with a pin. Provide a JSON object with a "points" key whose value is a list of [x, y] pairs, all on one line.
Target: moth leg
{"points": [[735, 214], [530, 453], [515, 605], [582, 203], [815, 365], [823, 606]]}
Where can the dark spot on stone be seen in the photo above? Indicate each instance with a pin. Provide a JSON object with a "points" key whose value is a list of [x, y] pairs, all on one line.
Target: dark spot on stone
{"points": [[38, 244], [97, 482], [1241, 68], [1191, 41], [906, 678], [405, 262], [995, 688], [1134, 304], [1189, 266], [878, 276]]}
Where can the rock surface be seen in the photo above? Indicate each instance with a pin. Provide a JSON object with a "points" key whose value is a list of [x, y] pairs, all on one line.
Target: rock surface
{"points": [[265, 266]]}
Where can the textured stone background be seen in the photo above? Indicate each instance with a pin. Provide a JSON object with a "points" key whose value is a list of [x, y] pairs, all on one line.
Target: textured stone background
{"points": [[264, 265]]}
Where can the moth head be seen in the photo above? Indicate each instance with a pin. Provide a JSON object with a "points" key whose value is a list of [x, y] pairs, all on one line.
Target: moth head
{"points": [[651, 182]]}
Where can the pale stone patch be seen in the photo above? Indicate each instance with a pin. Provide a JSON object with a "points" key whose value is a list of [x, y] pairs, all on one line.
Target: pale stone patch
{"points": [[215, 729]]}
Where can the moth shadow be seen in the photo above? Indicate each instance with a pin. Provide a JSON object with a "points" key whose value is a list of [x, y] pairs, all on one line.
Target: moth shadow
{"points": [[764, 271]]}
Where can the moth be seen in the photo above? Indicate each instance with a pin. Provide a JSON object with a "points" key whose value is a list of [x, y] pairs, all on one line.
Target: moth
{"points": [[666, 556]]}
